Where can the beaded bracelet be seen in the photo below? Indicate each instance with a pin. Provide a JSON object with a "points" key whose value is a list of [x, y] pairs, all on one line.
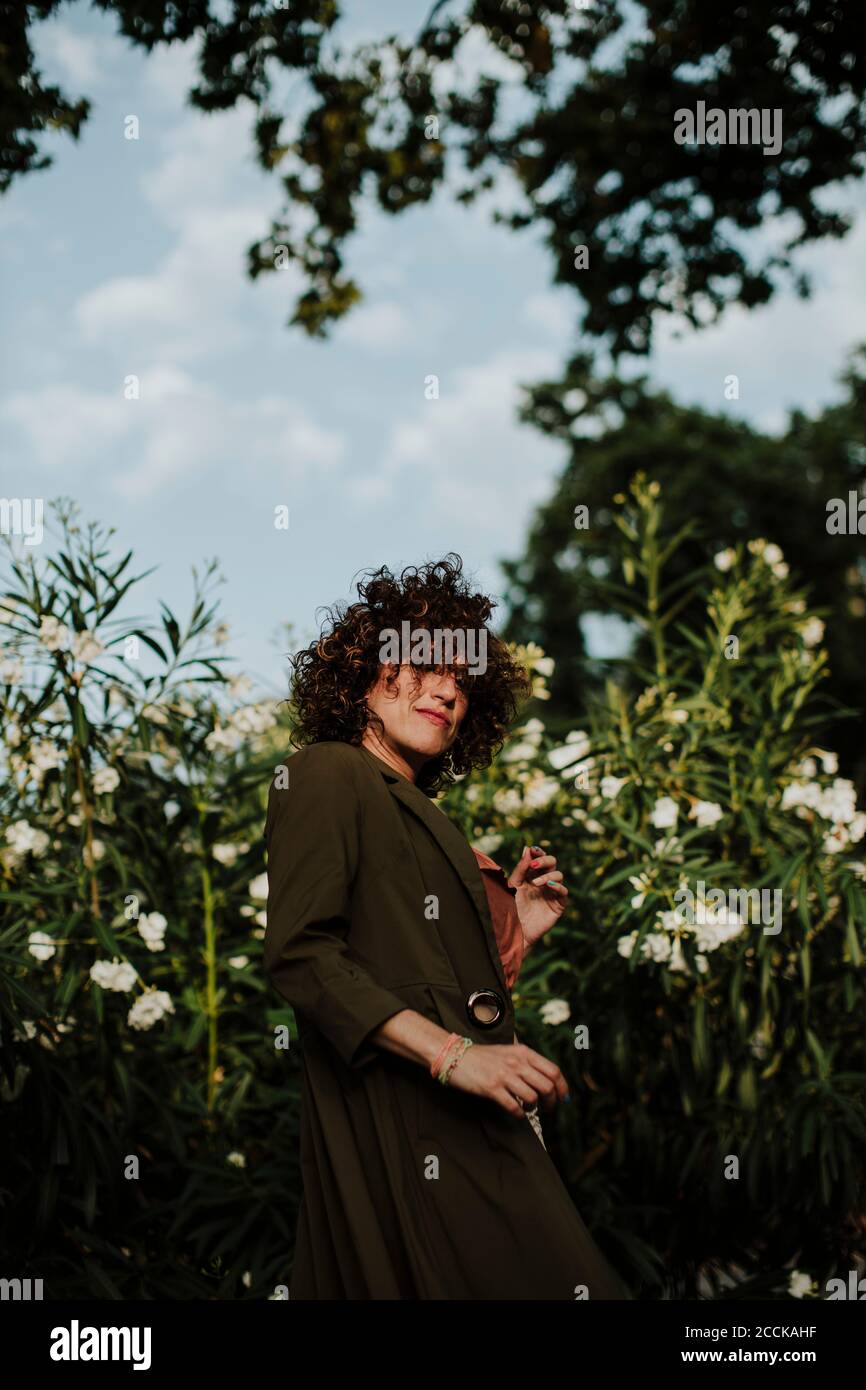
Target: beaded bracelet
{"points": [[434, 1065], [445, 1074]]}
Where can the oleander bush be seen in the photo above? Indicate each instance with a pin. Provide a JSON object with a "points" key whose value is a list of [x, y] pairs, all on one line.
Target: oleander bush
{"points": [[717, 1048], [149, 1112]]}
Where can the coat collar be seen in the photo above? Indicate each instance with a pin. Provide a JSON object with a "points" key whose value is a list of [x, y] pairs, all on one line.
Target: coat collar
{"points": [[452, 843]]}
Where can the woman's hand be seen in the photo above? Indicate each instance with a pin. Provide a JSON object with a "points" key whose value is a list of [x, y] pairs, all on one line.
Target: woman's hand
{"points": [[540, 899], [509, 1075]]}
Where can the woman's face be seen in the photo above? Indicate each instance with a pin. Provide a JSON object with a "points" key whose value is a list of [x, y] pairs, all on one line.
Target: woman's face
{"points": [[421, 721]]}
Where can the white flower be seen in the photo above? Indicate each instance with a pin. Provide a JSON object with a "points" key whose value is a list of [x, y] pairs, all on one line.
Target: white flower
{"points": [[41, 945], [149, 1008], [543, 665], [238, 686], [225, 854], [95, 850], [642, 883], [238, 1160], [724, 559], [45, 755], [55, 713], [151, 929], [507, 801], [612, 786], [812, 632], [26, 839], [676, 716], [575, 748], [719, 927], [518, 753], [107, 779], [800, 1284], [11, 670], [258, 888], [829, 762], [625, 945], [53, 634], [540, 791], [669, 847], [678, 963], [253, 719], [555, 1011], [113, 974], [488, 844], [857, 869], [664, 813], [772, 555], [238, 962], [706, 813], [836, 841], [171, 809], [155, 713], [227, 740], [655, 946], [86, 647]]}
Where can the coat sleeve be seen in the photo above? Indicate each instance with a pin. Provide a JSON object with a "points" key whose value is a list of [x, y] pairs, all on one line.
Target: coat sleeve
{"points": [[313, 839]]}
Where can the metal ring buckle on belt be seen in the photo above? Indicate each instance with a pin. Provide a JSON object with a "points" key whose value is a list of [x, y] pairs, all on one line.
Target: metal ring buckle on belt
{"points": [[485, 1008]]}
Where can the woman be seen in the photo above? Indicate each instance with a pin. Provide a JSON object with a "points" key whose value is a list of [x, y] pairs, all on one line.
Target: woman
{"points": [[422, 1176]]}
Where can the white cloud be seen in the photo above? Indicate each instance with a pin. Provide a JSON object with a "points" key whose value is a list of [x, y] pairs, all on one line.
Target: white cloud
{"points": [[179, 429], [66, 57], [383, 327], [465, 458], [557, 314], [190, 305]]}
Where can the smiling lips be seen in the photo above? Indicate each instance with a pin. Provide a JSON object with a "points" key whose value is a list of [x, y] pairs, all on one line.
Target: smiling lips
{"points": [[434, 717]]}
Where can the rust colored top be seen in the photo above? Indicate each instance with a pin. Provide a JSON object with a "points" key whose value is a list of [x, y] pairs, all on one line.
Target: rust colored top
{"points": [[503, 912]]}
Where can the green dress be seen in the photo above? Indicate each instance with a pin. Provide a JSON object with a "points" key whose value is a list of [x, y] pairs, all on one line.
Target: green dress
{"points": [[411, 1189]]}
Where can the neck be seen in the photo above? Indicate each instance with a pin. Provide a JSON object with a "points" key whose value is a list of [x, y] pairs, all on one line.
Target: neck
{"points": [[397, 758]]}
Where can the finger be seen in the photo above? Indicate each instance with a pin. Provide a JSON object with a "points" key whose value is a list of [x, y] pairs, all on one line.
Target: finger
{"points": [[521, 1088], [522, 870], [544, 1086], [547, 1068], [504, 1098], [542, 862]]}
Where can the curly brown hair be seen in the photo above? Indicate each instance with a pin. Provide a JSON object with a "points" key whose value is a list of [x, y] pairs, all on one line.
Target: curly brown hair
{"points": [[332, 676]]}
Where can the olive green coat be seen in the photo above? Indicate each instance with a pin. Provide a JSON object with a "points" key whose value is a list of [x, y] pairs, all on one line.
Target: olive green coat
{"points": [[412, 1190]]}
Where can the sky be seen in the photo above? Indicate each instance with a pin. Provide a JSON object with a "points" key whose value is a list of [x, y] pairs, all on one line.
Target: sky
{"points": [[126, 258]]}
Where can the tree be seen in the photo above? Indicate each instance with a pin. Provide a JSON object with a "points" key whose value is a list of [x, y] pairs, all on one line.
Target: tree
{"points": [[724, 479], [584, 134]]}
